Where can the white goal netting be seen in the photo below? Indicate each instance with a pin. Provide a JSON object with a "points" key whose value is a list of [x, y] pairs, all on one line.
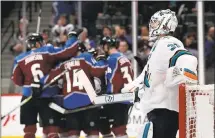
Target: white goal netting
{"points": [[198, 115]]}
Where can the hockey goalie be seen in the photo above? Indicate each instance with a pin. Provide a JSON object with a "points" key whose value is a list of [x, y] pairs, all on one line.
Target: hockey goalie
{"points": [[169, 64]]}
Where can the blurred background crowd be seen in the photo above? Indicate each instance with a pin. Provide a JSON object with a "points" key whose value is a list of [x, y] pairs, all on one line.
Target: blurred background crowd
{"points": [[102, 18]]}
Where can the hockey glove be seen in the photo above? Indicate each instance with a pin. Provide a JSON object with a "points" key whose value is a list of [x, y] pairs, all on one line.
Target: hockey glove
{"points": [[81, 47], [101, 57], [36, 89], [93, 52], [75, 33]]}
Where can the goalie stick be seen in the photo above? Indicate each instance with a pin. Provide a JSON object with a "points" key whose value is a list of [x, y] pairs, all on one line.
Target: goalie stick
{"points": [[29, 98]]}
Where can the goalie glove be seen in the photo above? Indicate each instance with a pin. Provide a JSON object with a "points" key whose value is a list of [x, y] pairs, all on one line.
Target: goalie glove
{"points": [[176, 75]]}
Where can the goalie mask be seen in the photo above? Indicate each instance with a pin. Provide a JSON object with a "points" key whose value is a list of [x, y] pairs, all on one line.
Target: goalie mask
{"points": [[162, 22], [33, 39]]}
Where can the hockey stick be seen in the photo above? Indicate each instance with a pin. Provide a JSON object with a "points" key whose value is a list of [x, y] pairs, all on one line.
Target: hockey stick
{"points": [[99, 101], [87, 85], [30, 97], [55, 79], [103, 99], [18, 106], [62, 110], [38, 21], [136, 99]]}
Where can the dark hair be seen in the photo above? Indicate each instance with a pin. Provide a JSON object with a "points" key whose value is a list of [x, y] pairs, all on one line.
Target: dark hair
{"points": [[106, 27]]}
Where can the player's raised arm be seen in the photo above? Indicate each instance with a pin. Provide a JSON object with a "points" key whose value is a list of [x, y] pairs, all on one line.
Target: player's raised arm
{"points": [[17, 75], [69, 50]]}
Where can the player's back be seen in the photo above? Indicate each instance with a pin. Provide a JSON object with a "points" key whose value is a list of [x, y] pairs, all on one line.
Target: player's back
{"points": [[34, 64], [119, 72], [71, 81]]}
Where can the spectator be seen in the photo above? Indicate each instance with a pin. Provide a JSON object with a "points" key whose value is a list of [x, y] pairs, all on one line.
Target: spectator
{"points": [[63, 7], [142, 54], [210, 47], [121, 34], [84, 38], [61, 28], [18, 40], [191, 44], [28, 9], [127, 35], [107, 31], [123, 48], [45, 35], [210, 55], [144, 33], [144, 36], [118, 31], [20, 34]]}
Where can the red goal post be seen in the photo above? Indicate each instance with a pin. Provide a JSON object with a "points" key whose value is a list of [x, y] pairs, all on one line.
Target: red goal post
{"points": [[196, 111]]}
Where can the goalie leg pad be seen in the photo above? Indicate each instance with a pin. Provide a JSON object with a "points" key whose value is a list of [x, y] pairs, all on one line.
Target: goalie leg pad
{"points": [[30, 131], [148, 130]]}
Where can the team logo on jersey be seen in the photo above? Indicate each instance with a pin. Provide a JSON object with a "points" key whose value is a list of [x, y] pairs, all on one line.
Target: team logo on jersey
{"points": [[109, 98]]}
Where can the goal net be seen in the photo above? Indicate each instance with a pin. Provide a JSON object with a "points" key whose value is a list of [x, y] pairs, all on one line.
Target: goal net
{"points": [[196, 111]]}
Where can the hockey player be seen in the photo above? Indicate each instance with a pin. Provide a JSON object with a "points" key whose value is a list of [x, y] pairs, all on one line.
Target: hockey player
{"points": [[28, 68], [118, 74], [169, 64], [75, 95]]}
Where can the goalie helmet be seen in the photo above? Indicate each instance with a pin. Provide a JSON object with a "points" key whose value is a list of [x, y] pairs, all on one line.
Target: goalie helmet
{"points": [[162, 22], [33, 39]]}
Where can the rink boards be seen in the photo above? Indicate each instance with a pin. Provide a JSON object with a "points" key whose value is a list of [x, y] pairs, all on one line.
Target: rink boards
{"points": [[10, 127]]}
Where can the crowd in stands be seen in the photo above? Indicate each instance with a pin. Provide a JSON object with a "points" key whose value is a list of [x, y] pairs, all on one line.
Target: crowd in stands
{"points": [[114, 19]]}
